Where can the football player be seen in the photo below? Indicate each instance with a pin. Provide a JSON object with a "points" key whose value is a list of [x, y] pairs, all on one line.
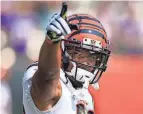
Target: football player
{"points": [[73, 56]]}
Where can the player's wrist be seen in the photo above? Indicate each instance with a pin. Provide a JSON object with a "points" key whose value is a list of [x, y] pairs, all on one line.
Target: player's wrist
{"points": [[49, 41]]}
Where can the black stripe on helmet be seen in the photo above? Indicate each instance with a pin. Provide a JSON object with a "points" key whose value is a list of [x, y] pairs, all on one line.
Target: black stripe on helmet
{"points": [[94, 32], [83, 17], [92, 25]]}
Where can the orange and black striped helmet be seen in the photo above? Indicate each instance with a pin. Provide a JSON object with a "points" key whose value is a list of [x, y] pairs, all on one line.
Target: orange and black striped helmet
{"points": [[88, 33]]}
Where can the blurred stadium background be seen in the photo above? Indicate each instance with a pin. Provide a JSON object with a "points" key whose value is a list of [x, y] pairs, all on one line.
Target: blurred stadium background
{"points": [[22, 33]]}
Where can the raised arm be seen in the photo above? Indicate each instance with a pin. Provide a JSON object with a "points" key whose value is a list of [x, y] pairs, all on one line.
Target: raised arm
{"points": [[46, 89]]}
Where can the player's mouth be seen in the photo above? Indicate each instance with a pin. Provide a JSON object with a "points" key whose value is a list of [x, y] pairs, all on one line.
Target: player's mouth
{"points": [[85, 67]]}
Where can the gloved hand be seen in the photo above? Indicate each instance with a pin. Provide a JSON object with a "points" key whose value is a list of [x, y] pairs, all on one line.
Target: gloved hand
{"points": [[56, 28]]}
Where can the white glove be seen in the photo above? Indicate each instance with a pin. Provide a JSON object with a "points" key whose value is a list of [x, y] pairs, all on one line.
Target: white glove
{"points": [[56, 28]]}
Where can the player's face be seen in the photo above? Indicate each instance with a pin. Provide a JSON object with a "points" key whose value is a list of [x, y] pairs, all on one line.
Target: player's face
{"points": [[86, 57]]}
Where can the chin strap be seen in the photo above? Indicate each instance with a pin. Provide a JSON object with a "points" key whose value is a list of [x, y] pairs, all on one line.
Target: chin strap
{"points": [[65, 60], [80, 94], [75, 83], [96, 86]]}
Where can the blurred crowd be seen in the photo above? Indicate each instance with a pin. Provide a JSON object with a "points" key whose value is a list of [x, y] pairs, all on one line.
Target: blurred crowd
{"points": [[23, 25]]}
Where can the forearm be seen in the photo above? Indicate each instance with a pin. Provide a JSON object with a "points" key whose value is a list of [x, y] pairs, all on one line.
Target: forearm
{"points": [[49, 60], [45, 80]]}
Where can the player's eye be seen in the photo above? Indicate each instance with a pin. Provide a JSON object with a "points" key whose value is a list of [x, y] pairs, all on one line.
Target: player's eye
{"points": [[93, 56]]}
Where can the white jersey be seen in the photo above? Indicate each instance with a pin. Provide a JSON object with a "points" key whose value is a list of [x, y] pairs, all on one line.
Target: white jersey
{"points": [[6, 100], [67, 102]]}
